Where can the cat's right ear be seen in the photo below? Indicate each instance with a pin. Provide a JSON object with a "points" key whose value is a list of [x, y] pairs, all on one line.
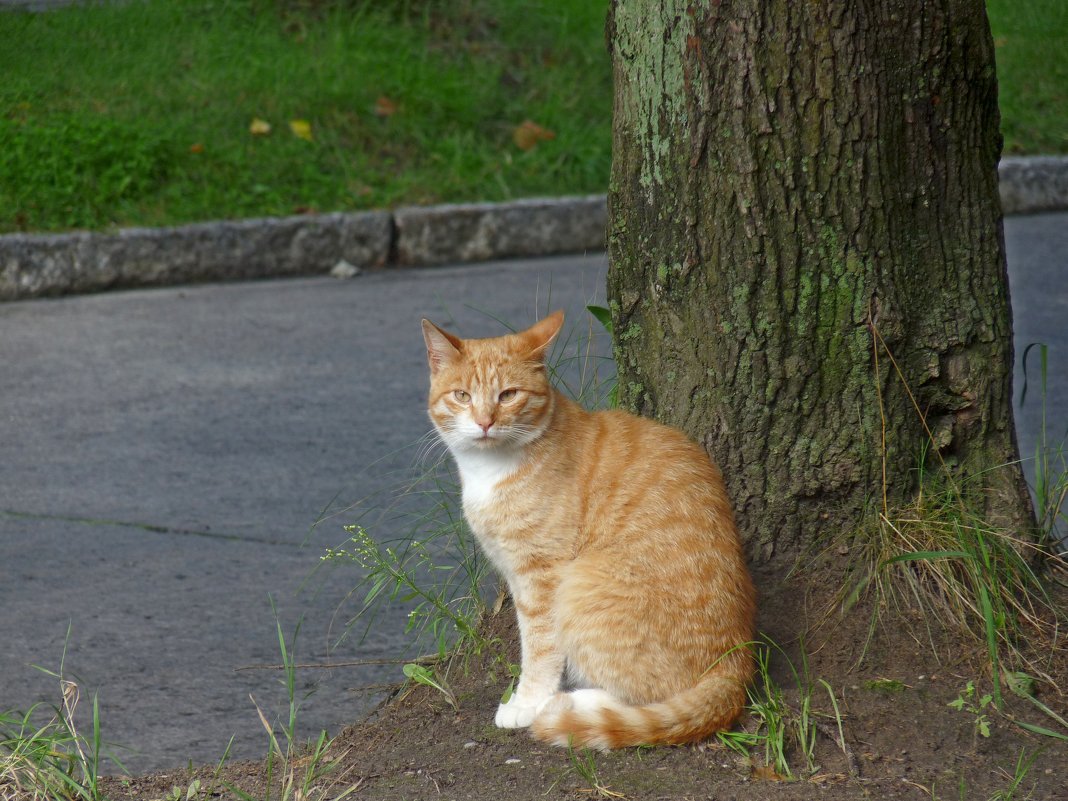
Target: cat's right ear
{"points": [[442, 348], [540, 335]]}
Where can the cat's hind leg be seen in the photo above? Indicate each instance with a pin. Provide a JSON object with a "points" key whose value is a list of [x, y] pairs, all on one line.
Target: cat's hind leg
{"points": [[587, 699]]}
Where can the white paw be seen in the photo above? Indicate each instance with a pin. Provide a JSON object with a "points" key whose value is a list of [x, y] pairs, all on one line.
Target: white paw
{"points": [[518, 713]]}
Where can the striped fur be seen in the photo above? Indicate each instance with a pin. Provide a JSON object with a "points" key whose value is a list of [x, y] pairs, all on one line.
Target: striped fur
{"points": [[617, 541]]}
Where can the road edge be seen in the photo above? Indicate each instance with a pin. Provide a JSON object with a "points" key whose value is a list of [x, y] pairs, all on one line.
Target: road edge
{"points": [[49, 265]]}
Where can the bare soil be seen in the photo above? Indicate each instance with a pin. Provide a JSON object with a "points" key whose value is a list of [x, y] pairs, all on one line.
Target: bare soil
{"points": [[902, 740]]}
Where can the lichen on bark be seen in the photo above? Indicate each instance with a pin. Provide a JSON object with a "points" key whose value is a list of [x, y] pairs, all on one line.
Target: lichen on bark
{"points": [[798, 188], [655, 105]]}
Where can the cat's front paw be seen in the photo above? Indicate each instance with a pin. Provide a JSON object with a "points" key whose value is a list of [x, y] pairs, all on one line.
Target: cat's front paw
{"points": [[518, 713]]}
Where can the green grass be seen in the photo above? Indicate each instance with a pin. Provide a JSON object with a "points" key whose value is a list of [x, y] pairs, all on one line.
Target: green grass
{"points": [[1031, 41], [941, 557], [1049, 465], [294, 769], [1015, 780], [140, 113], [44, 754], [583, 764], [786, 732]]}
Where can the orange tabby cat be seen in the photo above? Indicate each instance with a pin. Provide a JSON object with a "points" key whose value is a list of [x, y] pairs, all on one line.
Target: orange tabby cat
{"points": [[617, 541]]}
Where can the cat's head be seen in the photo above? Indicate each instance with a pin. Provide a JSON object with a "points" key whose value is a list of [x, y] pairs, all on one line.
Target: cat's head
{"points": [[490, 393]]}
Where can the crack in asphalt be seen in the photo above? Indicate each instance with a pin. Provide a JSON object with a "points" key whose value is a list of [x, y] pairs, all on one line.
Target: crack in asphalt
{"points": [[149, 527]]}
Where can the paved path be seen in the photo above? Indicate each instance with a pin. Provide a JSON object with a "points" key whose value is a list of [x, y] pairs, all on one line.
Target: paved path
{"points": [[1037, 248], [164, 455]]}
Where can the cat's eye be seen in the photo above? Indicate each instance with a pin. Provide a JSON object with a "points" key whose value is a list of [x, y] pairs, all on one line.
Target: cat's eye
{"points": [[461, 396], [507, 395]]}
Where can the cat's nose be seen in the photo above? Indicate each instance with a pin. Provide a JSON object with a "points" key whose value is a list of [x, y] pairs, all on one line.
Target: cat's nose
{"points": [[485, 423]]}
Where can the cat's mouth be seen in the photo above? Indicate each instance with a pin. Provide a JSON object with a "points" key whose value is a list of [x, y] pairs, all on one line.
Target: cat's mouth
{"points": [[488, 439]]}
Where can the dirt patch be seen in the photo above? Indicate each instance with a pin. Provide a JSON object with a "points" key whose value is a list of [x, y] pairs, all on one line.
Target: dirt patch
{"points": [[902, 739]]}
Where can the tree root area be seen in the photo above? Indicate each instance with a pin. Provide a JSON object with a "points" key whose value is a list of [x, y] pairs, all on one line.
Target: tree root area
{"points": [[893, 689]]}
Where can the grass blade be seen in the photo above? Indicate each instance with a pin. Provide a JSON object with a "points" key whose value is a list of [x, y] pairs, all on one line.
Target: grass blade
{"points": [[1031, 727]]}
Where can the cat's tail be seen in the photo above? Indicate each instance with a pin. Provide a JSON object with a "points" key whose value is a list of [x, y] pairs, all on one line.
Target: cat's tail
{"points": [[595, 719]]}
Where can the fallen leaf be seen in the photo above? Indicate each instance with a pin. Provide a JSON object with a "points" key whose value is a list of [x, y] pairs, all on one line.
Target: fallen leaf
{"points": [[528, 133], [384, 107], [301, 129], [767, 773], [827, 778], [259, 127], [196, 147]]}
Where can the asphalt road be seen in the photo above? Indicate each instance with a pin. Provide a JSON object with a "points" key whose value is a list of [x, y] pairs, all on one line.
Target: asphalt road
{"points": [[165, 456], [1037, 248]]}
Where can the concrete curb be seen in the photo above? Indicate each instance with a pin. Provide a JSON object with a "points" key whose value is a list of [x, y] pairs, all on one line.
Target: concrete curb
{"points": [[35, 265], [41, 265], [482, 231], [1031, 184]]}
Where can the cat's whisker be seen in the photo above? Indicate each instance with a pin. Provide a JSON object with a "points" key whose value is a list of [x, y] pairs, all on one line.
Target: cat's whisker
{"points": [[430, 445], [519, 428]]}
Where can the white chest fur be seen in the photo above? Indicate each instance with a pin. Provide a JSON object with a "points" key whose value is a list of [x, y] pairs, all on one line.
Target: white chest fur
{"points": [[481, 471]]}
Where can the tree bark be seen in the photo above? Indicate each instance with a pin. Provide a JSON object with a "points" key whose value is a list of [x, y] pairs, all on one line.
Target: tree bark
{"points": [[804, 235]]}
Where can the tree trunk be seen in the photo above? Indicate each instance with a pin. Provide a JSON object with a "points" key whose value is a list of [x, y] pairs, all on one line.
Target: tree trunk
{"points": [[804, 228]]}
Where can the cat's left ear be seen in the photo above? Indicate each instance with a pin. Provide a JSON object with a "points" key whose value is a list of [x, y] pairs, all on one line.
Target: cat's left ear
{"points": [[442, 348], [540, 335]]}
